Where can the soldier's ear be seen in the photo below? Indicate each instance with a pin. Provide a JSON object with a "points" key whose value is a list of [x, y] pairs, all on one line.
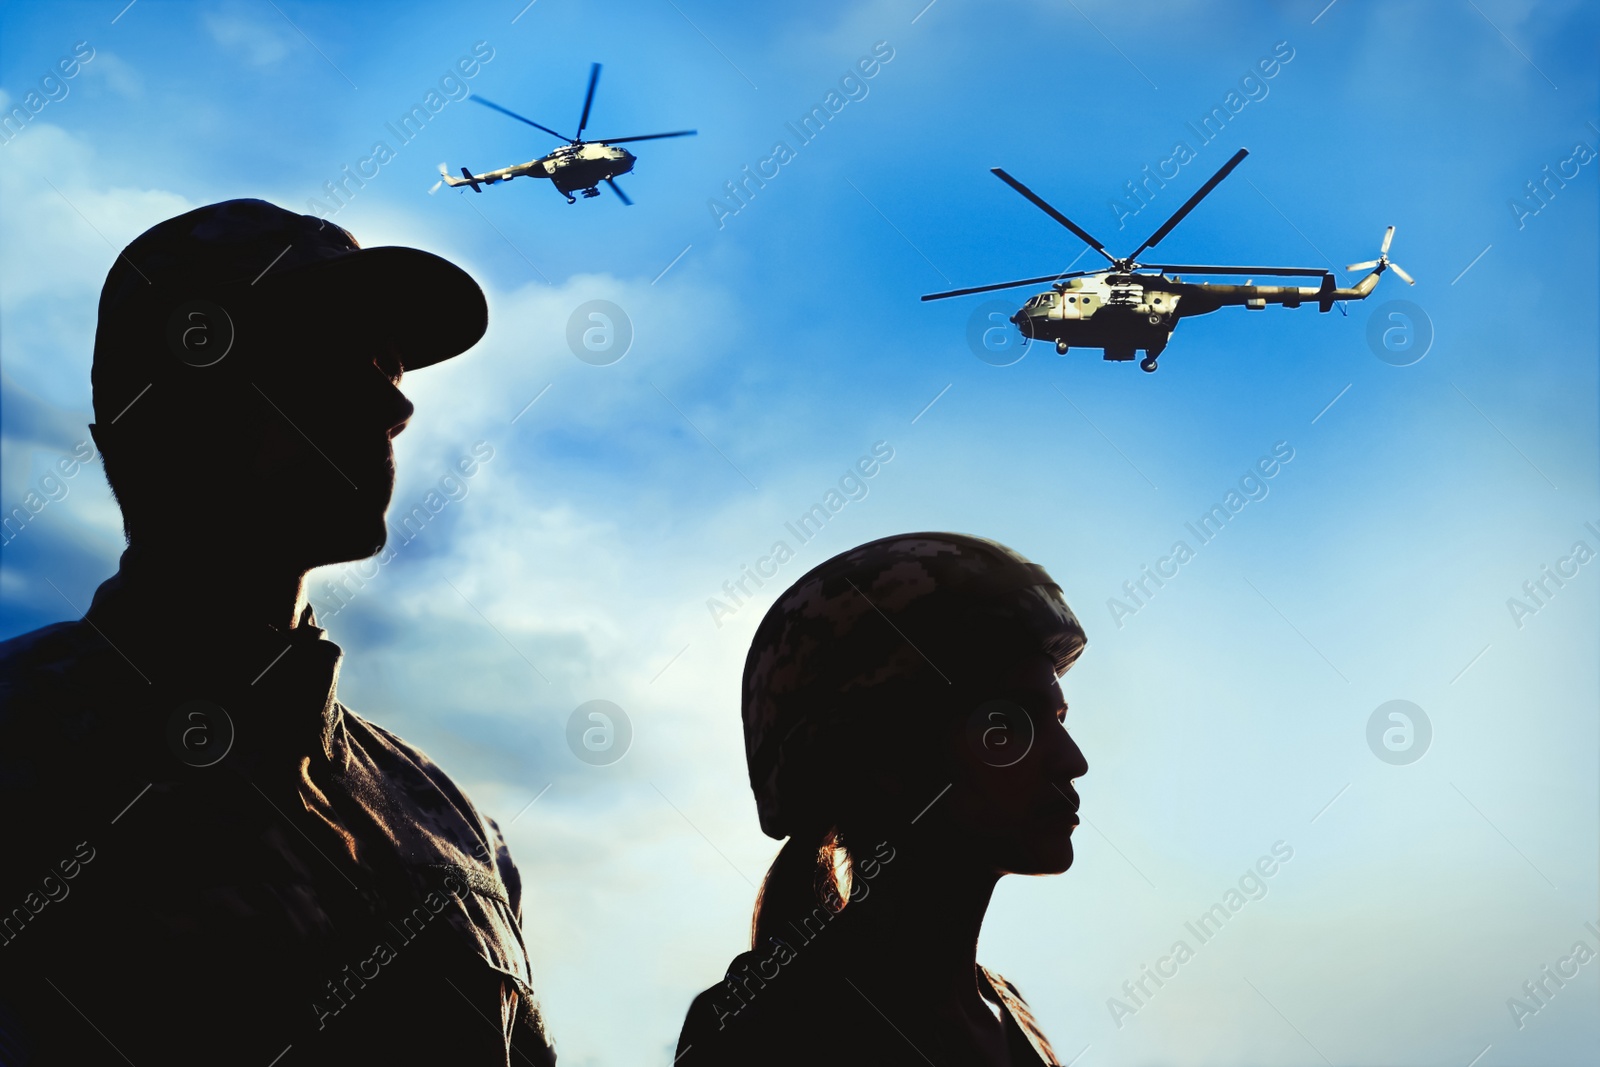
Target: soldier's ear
{"points": [[878, 783]]}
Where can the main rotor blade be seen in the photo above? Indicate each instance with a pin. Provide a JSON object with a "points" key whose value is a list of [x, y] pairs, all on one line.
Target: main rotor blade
{"points": [[645, 137], [588, 100], [1010, 285], [1178, 216], [519, 118], [1190, 268], [1083, 235], [620, 194]]}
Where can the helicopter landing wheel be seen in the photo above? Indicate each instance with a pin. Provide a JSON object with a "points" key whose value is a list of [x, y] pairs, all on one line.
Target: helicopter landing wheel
{"points": [[571, 199], [1147, 365], [1061, 348], [1155, 320]]}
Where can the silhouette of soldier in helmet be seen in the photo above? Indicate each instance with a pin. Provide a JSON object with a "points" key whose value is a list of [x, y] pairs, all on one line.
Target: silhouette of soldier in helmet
{"points": [[903, 730]]}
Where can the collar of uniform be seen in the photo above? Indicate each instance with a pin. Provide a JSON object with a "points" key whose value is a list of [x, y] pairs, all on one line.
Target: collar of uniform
{"points": [[283, 683]]}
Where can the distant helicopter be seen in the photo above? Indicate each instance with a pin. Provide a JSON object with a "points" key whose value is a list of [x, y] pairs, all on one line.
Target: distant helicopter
{"points": [[1120, 311], [577, 166]]}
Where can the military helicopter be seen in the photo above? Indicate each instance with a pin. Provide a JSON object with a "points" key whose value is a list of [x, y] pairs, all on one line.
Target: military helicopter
{"points": [[577, 166], [1120, 310]]}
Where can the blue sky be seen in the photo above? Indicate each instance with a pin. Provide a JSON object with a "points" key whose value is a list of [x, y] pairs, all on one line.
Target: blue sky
{"points": [[771, 351]]}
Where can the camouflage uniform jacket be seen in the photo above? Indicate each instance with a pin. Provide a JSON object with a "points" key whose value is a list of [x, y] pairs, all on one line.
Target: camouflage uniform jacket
{"points": [[210, 859]]}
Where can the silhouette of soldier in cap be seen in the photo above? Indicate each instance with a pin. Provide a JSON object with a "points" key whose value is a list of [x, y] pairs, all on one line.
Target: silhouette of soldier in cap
{"points": [[209, 858]]}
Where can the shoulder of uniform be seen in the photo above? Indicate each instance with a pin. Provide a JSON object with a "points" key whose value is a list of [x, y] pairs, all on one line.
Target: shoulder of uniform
{"points": [[41, 649], [393, 748], [399, 760], [762, 1011], [706, 1037], [49, 678], [397, 757], [1023, 1015], [1000, 981]]}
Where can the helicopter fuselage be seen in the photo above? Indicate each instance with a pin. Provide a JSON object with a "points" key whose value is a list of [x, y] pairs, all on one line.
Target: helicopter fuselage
{"points": [[1115, 312], [584, 166], [570, 168]]}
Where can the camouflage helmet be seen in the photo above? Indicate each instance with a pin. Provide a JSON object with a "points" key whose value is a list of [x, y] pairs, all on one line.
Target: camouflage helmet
{"points": [[883, 627]]}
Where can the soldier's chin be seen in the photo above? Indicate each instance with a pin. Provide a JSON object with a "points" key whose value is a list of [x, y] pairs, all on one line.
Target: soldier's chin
{"points": [[1045, 857], [355, 538]]}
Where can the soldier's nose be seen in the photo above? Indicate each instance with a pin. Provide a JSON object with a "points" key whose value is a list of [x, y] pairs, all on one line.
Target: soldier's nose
{"points": [[402, 416]]}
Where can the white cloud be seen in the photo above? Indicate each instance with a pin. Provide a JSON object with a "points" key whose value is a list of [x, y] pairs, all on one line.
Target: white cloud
{"points": [[259, 41], [60, 233], [120, 76]]}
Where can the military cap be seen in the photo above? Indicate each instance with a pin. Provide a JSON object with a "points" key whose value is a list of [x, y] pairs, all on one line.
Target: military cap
{"points": [[267, 270]]}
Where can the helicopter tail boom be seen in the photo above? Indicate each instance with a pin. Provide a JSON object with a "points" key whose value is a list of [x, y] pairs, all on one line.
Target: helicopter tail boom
{"points": [[1211, 295], [452, 181], [535, 168], [1357, 292], [1326, 294]]}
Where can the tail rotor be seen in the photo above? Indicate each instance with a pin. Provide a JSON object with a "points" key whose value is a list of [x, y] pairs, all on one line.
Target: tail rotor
{"points": [[1382, 263]]}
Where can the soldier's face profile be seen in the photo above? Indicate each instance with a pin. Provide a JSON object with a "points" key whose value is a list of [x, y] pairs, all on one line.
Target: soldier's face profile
{"points": [[329, 411], [1013, 799]]}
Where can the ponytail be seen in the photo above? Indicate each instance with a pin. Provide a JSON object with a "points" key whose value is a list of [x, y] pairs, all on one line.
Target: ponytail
{"points": [[811, 871]]}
